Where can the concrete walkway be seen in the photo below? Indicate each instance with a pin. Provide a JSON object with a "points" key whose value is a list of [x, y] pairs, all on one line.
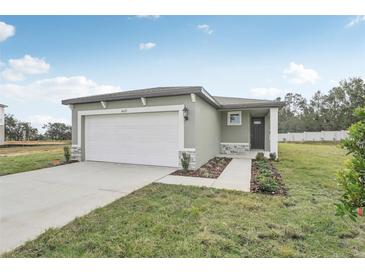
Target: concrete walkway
{"points": [[236, 176], [31, 202]]}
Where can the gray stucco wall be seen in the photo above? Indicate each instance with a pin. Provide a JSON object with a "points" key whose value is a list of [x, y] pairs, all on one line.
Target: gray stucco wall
{"points": [[235, 134], [207, 131], [2, 134], [267, 132], [189, 137]]}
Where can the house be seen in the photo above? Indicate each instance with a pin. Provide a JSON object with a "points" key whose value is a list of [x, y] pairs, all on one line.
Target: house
{"points": [[2, 124], [154, 126]]}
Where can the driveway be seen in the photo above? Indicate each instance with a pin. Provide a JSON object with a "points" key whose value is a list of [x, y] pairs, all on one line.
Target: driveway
{"points": [[31, 202]]}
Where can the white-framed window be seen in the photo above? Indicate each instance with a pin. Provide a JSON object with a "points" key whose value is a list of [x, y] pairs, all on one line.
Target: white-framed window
{"points": [[234, 118]]}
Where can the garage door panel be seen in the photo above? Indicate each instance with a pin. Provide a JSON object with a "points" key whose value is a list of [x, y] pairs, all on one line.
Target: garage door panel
{"points": [[143, 138]]}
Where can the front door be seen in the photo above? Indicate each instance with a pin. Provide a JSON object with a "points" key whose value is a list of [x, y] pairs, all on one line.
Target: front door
{"points": [[258, 133]]}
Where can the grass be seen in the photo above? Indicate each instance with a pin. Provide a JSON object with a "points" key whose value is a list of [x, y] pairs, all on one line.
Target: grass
{"points": [[25, 150], [20, 159], [181, 221], [37, 143]]}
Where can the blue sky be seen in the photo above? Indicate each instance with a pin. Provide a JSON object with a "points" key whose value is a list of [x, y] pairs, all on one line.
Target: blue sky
{"points": [[48, 58]]}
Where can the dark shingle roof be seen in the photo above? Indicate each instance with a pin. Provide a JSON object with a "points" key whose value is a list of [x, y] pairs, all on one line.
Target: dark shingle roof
{"points": [[216, 101]]}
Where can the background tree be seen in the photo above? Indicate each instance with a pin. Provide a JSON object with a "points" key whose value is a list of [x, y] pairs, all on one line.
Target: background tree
{"points": [[16, 130], [291, 115], [57, 131], [10, 127], [331, 111]]}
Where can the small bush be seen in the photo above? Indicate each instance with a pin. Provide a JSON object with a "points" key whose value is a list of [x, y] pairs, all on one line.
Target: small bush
{"points": [[260, 156], [352, 178], [272, 156], [268, 184], [67, 153], [185, 161], [266, 179]]}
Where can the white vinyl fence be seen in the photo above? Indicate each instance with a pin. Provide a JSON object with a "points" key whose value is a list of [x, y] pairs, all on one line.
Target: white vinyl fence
{"points": [[313, 136]]}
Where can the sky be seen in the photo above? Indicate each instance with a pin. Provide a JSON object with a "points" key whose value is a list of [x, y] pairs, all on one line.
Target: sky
{"points": [[44, 59]]}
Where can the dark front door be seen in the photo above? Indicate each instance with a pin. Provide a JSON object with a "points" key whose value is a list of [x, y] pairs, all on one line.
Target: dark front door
{"points": [[258, 133]]}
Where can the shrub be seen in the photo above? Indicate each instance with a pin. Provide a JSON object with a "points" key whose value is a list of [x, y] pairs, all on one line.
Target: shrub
{"points": [[268, 184], [67, 153], [272, 156], [352, 179], [185, 161], [260, 156]]}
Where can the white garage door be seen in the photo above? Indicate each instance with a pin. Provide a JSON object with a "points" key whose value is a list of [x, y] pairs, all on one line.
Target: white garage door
{"points": [[140, 138]]}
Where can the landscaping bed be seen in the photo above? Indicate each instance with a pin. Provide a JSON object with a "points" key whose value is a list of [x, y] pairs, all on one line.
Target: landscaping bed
{"points": [[212, 169], [265, 178]]}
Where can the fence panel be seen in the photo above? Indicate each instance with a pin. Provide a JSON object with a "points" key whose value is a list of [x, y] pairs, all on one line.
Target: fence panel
{"points": [[313, 136]]}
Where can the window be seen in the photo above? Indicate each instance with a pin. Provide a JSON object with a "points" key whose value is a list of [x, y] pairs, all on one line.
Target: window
{"points": [[234, 118]]}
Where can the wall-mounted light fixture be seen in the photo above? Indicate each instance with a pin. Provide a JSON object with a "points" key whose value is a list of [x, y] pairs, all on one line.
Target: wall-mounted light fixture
{"points": [[186, 113]]}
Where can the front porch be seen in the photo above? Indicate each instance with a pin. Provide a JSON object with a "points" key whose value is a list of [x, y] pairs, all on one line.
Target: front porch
{"points": [[247, 131]]}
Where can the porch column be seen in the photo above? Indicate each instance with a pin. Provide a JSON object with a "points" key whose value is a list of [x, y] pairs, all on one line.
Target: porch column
{"points": [[274, 130]]}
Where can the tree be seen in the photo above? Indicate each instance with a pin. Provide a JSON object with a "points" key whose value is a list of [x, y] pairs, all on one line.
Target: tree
{"points": [[16, 130], [290, 115], [57, 131], [352, 179], [331, 111], [341, 102], [10, 126]]}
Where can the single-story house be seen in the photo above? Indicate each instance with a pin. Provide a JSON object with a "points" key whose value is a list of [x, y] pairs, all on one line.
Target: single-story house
{"points": [[2, 123], [154, 126]]}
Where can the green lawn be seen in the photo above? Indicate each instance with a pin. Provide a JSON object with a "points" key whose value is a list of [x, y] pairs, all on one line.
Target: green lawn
{"points": [[20, 159], [179, 221]]}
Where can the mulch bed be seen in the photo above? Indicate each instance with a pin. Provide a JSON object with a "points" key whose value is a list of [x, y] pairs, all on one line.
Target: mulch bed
{"points": [[212, 169], [255, 186]]}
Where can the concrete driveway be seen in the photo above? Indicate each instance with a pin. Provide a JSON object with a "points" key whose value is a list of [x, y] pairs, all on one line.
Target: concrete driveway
{"points": [[31, 202]]}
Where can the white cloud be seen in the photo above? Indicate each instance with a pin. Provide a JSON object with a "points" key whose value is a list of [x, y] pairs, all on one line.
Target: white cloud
{"points": [[28, 65], [147, 46], [205, 28], [298, 74], [151, 17], [266, 93], [56, 89], [11, 75], [39, 120], [356, 20], [6, 31]]}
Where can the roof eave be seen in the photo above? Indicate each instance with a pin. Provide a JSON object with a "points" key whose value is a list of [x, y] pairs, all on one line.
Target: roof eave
{"points": [[201, 92], [256, 105]]}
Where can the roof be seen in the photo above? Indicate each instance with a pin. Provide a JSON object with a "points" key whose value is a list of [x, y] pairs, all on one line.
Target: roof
{"points": [[146, 93], [216, 101], [235, 102], [3, 106]]}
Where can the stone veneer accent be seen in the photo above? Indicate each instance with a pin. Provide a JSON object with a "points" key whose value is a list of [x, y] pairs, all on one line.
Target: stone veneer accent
{"points": [[234, 148], [75, 153], [192, 153]]}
